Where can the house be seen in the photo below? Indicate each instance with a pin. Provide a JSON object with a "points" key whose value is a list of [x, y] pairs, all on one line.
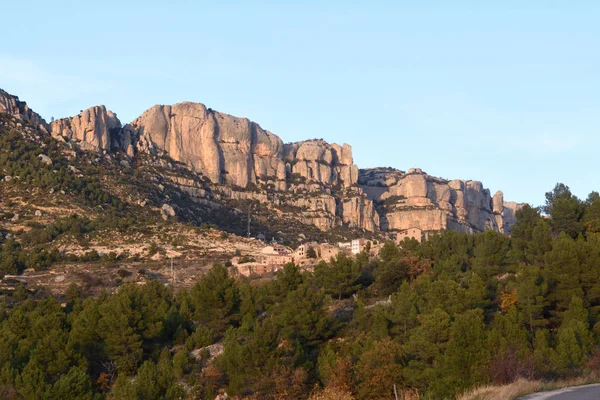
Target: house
{"points": [[276, 249], [301, 251], [413, 233], [358, 245], [345, 245], [327, 251], [249, 269], [275, 259]]}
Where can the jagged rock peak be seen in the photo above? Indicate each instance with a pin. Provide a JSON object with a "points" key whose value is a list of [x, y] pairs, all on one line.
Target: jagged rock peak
{"points": [[10, 104], [418, 200], [93, 129], [235, 150]]}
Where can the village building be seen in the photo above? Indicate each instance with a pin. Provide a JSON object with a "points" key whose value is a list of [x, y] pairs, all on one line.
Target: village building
{"points": [[275, 259], [276, 249], [249, 269], [345, 245], [358, 245], [327, 251], [301, 251], [413, 233]]}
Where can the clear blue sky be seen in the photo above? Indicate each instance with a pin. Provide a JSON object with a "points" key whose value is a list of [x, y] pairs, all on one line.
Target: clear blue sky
{"points": [[503, 92]]}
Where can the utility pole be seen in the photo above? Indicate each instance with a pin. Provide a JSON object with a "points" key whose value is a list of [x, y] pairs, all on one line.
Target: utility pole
{"points": [[172, 273], [249, 218]]}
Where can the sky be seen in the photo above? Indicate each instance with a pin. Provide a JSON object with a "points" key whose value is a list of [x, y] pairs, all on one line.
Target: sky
{"points": [[504, 92]]}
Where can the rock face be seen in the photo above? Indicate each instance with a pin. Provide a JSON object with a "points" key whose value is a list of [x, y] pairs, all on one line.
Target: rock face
{"points": [[240, 154], [226, 149], [318, 161], [93, 129], [312, 181], [11, 105], [235, 151], [418, 200]]}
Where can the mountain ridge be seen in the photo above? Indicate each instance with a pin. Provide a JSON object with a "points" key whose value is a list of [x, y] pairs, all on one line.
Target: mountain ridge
{"points": [[318, 181]]}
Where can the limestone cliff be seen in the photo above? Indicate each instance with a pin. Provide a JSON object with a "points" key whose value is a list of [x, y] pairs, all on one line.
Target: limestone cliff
{"points": [[226, 149], [11, 105], [93, 129], [312, 181], [240, 154], [418, 200], [234, 150]]}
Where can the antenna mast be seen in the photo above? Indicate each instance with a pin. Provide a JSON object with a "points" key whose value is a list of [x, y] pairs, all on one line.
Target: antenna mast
{"points": [[172, 272], [249, 218]]}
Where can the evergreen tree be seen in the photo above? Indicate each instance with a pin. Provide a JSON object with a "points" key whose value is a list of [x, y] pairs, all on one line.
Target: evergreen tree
{"points": [[563, 273], [340, 278], [378, 370], [531, 294], [425, 346], [464, 363], [521, 233], [216, 299], [591, 214], [565, 210], [75, 385], [510, 349]]}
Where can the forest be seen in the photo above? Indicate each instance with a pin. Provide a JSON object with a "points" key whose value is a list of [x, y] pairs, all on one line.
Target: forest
{"points": [[433, 318]]}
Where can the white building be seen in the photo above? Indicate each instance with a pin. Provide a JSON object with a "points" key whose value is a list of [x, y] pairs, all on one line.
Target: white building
{"points": [[358, 245]]}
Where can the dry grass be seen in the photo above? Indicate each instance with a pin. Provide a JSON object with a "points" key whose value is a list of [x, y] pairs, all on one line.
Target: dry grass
{"points": [[522, 387]]}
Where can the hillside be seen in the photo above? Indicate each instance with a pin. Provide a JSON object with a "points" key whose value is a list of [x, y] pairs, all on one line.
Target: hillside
{"points": [[430, 320], [115, 241]]}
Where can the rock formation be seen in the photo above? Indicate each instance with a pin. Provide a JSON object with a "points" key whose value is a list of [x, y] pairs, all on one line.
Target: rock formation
{"points": [[11, 105], [226, 149], [312, 181], [418, 200], [93, 129]]}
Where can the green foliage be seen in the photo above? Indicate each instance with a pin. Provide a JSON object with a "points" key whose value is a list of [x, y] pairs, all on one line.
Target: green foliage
{"points": [[20, 157], [565, 209], [439, 317], [216, 300], [340, 278]]}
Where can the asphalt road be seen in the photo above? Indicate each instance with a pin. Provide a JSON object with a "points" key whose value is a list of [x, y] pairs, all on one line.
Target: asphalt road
{"points": [[588, 392]]}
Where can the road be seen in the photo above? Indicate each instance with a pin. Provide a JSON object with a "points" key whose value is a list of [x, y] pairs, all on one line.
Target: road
{"points": [[587, 392]]}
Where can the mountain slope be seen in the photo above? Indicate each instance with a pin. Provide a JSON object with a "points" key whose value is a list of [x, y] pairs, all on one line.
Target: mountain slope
{"points": [[228, 163]]}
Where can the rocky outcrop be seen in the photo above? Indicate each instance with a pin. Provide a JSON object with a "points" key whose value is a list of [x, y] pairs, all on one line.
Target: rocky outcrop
{"points": [[318, 161], [11, 105], [236, 151], [226, 149], [418, 200], [359, 212], [94, 129], [313, 181]]}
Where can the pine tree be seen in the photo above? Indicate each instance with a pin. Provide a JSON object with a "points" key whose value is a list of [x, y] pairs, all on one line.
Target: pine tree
{"points": [[75, 385], [426, 344], [216, 299], [591, 214], [378, 370], [563, 273], [565, 210], [464, 363], [521, 233], [510, 348], [531, 294]]}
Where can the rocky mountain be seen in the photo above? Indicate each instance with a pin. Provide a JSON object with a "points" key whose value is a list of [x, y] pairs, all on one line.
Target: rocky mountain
{"points": [[11, 105], [234, 161], [416, 199]]}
